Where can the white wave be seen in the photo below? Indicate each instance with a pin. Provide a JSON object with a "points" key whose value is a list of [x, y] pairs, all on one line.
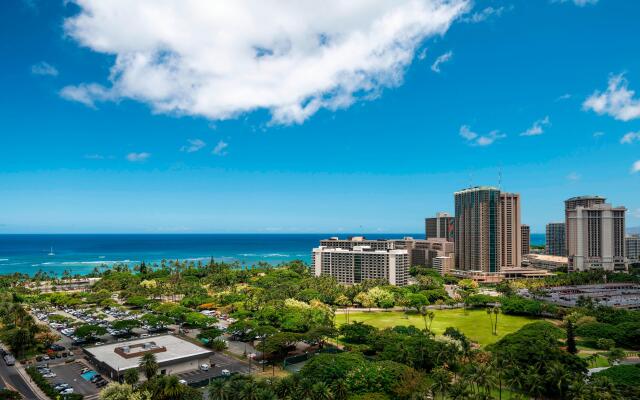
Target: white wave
{"points": [[275, 255], [4, 259], [248, 254]]}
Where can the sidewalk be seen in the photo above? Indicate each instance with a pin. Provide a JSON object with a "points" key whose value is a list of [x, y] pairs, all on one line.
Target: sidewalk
{"points": [[27, 379]]}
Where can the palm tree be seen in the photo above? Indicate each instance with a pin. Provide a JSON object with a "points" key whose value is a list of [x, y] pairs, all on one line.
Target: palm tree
{"points": [[556, 372], [441, 381], [149, 365], [340, 390], [321, 391], [218, 390], [172, 388], [131, 376]]}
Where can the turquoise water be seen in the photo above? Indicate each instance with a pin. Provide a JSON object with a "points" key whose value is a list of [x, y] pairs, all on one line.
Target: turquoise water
{"points": [[80, 254], [88, 375]]}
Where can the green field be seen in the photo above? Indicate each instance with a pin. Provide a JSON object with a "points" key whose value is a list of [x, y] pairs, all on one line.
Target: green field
{"points": [[473, 323]]}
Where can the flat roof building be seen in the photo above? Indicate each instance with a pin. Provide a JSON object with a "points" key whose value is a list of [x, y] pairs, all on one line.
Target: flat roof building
{"points": [[555, 244], [594, 234], [173, 354], [439, 227], [525, 233], [359, 263], [632, 248]]}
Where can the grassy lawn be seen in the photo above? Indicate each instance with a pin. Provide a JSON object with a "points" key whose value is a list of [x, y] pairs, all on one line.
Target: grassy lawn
{"points": [[474, 323]]}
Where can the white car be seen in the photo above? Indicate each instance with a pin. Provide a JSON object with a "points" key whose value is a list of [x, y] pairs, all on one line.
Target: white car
{"points": [[49, 375], [204, 367], [182, 381], [225, 372], [67, 391]]}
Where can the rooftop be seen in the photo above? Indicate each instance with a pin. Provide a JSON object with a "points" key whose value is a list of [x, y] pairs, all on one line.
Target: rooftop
{"points": [[586, 197], [175, 350], [477, 188]]}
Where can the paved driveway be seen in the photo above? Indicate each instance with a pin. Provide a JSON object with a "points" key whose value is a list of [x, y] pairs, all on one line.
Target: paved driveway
{"points": [[70, 373]]}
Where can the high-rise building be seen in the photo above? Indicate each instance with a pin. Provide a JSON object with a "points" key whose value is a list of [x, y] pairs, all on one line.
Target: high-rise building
{"points": [[594, 234], [525, 234], [632, 248], [350, 266], [510, 231], [440, 226], [477, 229], [555, 239]]}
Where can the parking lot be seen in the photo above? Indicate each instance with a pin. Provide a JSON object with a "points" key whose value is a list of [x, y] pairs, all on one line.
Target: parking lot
{"points": [[220, 362], [70, 374]]}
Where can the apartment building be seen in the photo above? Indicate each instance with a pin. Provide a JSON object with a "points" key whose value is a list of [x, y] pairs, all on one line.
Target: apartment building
{"points": [[556, 239]]}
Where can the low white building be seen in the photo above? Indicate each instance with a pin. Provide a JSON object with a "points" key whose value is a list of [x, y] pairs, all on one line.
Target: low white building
{"points": [[173, 354]]}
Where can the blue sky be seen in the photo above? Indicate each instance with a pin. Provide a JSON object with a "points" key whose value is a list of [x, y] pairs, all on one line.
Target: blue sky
{"points": [[538, 90]]}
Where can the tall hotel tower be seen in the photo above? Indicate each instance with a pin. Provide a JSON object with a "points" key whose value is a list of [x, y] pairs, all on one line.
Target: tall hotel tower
{"points": [[594, 234], [510, 231], [477, 229]]}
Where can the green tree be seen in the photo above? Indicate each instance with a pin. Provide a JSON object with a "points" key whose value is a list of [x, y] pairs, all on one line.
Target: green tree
{"points": [[149, 365], [89, 331], [571, 337], [131, 376]]}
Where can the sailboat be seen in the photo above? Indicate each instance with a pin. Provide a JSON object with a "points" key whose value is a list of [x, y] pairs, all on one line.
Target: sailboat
{"points": [[51, 253]]}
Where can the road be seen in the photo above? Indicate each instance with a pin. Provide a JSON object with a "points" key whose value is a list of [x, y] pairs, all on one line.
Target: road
{"points": [[12, 378]]}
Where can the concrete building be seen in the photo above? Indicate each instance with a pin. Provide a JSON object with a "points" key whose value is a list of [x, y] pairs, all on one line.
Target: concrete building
{"points": [[525, 235], [510, 231], [440, 227], [477, 229], [351, 242], [545, 261], [444, 265], [632, 248], [174, 355], [359, 263], [555, 239], [594, 234]]}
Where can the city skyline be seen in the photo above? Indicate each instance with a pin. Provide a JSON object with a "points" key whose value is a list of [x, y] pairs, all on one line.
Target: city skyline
{"points": [[479, 96]]}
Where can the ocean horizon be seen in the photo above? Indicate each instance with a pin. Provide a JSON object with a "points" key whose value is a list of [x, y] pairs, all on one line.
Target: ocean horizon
{"points": [[81, 253]]}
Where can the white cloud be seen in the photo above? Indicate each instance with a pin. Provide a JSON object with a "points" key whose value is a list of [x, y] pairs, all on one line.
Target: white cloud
{"points": [[484, 14], [565, 96], [435, 67], [476, 139], [636, 213], [537, 128], [220, 60], [598, 134], [635, 167], [219, 150], [193, 146], [574, 176], [579, 3], [138, 157], [630, 137], [94, 156], [617, 101], [87, 94], [43, 68]]}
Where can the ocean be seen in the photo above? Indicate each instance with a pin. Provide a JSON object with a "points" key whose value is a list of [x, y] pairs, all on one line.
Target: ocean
{"points": [[80, 254]]}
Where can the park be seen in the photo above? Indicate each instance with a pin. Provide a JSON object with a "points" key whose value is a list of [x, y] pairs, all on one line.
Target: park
{"points": [[474, 323]]}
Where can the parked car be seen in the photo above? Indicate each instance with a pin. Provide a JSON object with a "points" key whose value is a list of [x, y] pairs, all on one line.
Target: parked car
{"points": [[225, 372], [67, 391], [204, 367]]}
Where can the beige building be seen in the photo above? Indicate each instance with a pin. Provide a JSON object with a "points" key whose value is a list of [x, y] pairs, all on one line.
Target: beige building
{"points": [[545, 261], [595, 234], [510, 231], [359, 263], [444, 265]]}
